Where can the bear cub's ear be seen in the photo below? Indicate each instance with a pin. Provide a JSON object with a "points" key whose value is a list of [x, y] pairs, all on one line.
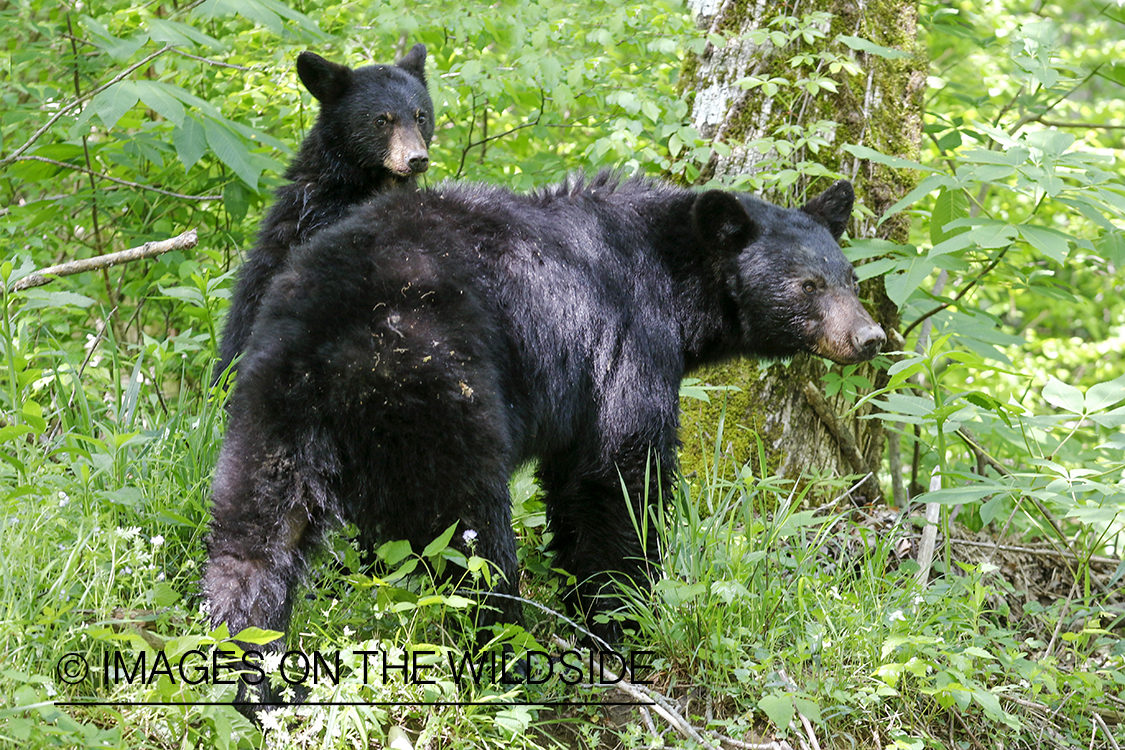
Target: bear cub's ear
{"points": [[833, 207], [722, 222], [414, 62], [325, 80]]}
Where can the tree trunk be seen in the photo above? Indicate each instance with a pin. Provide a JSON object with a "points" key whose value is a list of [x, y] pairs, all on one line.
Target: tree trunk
{"points": [[774, 138]]}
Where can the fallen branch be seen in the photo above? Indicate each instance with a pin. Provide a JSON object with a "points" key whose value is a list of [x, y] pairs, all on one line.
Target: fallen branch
{"points": [[148, 250]]}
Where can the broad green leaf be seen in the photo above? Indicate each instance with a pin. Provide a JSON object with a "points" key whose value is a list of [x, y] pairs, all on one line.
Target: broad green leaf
{"points": [[925, 187], [1052, 243], [1062, 396], [257, 636], [437, 545], [156, 98], [174, 32], [779, 708], [1111, 246], [952, 204], [190, 142], [115, 101], [1103, 395], [118, 49], [959, 495], [232, 151], [896, 162], [860, 44], [40, 298], [393, 552], [901, 285]]}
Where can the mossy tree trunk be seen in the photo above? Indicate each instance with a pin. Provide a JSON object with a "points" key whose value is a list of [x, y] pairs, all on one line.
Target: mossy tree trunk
{"points": [[781, 130]]}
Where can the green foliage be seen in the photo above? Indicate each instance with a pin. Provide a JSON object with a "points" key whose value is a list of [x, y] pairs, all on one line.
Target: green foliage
{"points": [[1009, 293]]}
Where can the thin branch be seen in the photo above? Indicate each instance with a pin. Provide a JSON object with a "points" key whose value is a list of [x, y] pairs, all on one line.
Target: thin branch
{"points": [[209, 61], [126, 183], [148, 250], [988, 269], [1087, 125], [1062, 97], [482, 141], [88, 95]]}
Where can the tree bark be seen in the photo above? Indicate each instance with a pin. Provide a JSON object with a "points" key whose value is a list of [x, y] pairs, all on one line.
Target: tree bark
{"points": [[880, 107]]}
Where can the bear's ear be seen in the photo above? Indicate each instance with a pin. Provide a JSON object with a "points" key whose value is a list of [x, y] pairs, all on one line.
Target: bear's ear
{"points": [[325, 80], [833, 207], [414, 62], [722, 223]]}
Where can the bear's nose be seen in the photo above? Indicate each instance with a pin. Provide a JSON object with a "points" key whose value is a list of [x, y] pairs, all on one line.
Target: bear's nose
{"points": [[418, 161], [868, 340]]}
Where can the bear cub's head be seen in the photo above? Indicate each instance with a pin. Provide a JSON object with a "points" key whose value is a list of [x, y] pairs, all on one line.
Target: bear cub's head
{"points": [[379, 117], [784, 271]]}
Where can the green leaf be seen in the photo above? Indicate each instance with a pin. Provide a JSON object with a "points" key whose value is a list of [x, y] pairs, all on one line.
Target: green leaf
{"points": [[156, 98], [41, 298], [860, 44], [1062, 396], [901, 285], [1052, 243], [925, 187], [174, 32], [440, 543], [1111, 246], [895, 162], [190, 142], [779, 708], [952, 204], [257, 636], [959, 495], [115, 101], [1104, 395], [393, 552], [232, 151]]}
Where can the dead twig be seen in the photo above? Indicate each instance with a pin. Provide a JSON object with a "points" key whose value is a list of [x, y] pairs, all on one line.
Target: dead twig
{"points": [[148, 250]]}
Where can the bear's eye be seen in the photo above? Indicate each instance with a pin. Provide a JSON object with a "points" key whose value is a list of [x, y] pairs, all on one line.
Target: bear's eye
{"points": [[381, 121], [421, 118], [809, 287]]}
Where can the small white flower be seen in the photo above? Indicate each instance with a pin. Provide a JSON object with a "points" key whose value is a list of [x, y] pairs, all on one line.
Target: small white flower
{"points": [[897, 615], [469, 536], [157, 540]]}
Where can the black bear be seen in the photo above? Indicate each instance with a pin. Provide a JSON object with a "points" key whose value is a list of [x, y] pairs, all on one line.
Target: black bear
{"points": [[372, 134], [415, 354]]}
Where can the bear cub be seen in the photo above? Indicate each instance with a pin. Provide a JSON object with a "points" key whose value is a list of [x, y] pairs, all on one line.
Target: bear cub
{"points": [[372, 134], [412, 356]]}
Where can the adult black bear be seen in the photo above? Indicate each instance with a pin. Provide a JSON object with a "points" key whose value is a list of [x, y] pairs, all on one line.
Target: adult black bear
{"points": [[372, 134], [414, 354]]}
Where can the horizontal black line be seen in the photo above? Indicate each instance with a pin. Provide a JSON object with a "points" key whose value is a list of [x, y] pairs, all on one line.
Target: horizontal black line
{"points": [[356, 703]]}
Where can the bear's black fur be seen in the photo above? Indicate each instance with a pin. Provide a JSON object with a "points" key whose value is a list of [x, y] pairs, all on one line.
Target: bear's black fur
{"points": [[372, 134], [414, 354]]}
